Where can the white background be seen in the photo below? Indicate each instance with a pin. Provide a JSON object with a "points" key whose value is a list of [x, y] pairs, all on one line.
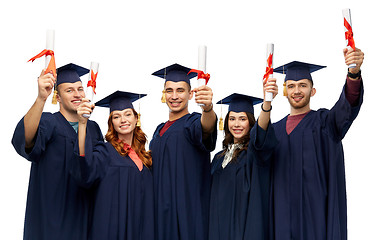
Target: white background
{"points": [[132, 39]]}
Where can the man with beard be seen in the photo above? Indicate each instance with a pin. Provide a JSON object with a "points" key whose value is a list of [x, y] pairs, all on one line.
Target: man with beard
{"points": [[309, 193]]}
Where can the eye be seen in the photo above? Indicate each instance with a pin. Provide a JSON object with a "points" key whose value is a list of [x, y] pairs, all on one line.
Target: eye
{"points": [[168, 90]]}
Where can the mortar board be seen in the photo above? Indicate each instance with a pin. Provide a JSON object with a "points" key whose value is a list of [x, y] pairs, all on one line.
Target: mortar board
{"points": [[119, 100], [240, 103], [70, 73], [175, 73], [298, 70]]}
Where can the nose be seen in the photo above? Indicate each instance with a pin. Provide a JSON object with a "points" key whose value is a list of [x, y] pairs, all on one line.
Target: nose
{"points": [[77, 93], [297, 89], [174, 95], [123, 119], [236, 124]]}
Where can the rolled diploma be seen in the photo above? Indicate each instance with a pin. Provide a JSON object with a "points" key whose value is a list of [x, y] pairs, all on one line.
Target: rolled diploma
{"points": [[347, 16], [269, 50], [50, 45], [89, 91], [201, 65]]}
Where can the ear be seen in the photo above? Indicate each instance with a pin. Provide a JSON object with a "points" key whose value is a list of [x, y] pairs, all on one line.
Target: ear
{"points": [[58, 98], [313, 92], [191, 95]]}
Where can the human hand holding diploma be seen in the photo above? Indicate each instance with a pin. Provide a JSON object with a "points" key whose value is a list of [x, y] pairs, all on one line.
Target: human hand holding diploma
{"points": [[91, 84], [85, 108], [270, 86]]}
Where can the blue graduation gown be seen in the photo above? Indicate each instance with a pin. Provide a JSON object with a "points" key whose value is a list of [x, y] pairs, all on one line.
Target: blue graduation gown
{"points": [[57, 208], [123, 203], [240, 192], [309, 177], [181, 173]]}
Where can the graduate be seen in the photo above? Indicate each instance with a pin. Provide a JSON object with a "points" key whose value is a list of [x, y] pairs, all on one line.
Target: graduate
{"points": [[118, 171], [240, 192], [181, 159], [309, 178], [57, 208]]}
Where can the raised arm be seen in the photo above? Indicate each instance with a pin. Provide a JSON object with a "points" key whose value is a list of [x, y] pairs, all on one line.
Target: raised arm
{"points": [[85, 108], [204, 95], [32, 117], [264, 118]]}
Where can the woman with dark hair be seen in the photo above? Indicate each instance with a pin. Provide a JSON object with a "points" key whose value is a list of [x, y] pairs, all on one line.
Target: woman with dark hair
{"points": [[239, 205], [118, 172]]}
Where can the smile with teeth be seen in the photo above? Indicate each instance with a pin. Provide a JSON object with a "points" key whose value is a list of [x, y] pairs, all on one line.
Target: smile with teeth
{"points": [[237, 131], [124, 126], [175, 104], [297, 98]]}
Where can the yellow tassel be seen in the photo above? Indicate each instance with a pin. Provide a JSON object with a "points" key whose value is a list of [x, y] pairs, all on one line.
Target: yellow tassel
{"points": [[163, 98], [138, 123], [54, 98], [284, 89], [220, 124]]}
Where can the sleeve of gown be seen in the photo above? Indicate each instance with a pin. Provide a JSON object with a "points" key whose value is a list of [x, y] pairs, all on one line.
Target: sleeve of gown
{"points": [[341, 116], [43, 135], [263, 142], [95, 132], [194, 133], [89, 169], [217, 160]]}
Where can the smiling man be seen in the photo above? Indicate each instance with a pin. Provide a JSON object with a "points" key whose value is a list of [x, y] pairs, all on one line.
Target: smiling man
{"points": [[308, 177], [181, 159], [56, 207]]}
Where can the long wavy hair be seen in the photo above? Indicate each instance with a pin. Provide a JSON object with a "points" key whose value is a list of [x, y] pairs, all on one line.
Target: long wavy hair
{"points": [[138, 141], [229, 138]]}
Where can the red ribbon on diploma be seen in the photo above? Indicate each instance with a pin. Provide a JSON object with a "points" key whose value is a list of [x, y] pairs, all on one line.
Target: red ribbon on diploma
{"points": [[92, 82], [51, 64], [349, 35], [201, 74], [269, 69]]}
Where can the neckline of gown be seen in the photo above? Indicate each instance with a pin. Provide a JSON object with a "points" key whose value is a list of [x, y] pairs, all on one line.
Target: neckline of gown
{"points": [[297, 126]]}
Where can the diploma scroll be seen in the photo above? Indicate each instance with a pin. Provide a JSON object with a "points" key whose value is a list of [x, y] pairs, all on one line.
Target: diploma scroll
{"points": [[348, 32], [201, 66], [91, 84], [50, 45], [269, 69]]}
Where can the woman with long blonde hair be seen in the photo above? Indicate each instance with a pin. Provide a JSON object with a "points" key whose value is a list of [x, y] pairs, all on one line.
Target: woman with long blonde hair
{"points": [[118, 171]]}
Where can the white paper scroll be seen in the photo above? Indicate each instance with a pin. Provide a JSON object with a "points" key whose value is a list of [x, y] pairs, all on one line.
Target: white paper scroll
{"points": [[201, 65], [269, 51], [50, 45], [90, 91], [347, 16]]}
